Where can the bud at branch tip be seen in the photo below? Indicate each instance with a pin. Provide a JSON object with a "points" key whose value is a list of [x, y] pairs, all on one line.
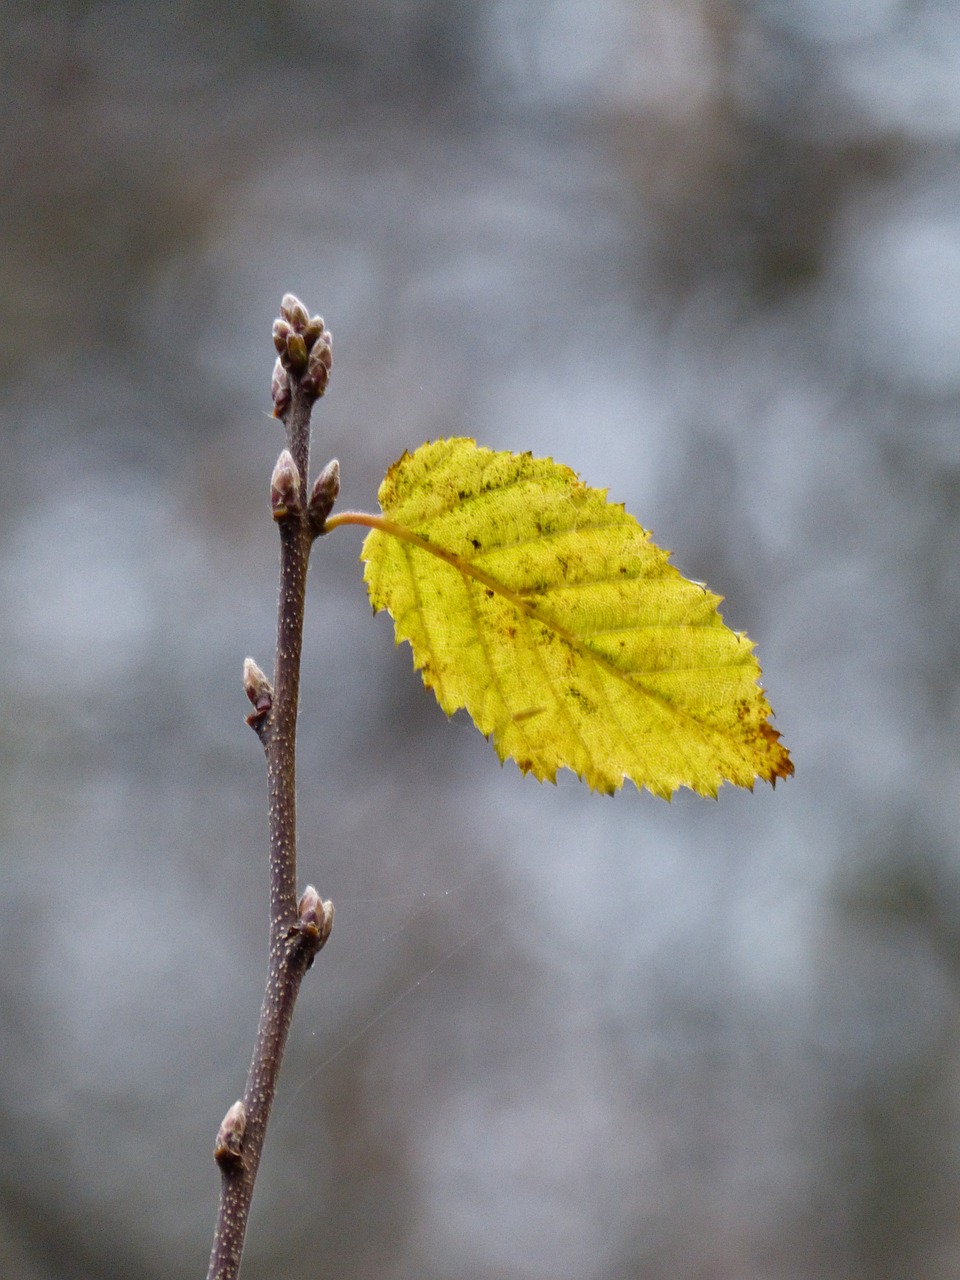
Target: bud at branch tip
{"points": [[304, 347], [293, 311]]}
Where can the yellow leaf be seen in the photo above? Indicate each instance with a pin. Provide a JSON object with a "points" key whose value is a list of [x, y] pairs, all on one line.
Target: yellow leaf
{"points": [[547, 612]]}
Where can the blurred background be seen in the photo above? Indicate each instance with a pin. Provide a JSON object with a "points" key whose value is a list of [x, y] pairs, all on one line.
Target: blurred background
{"points": [[707, 253]]}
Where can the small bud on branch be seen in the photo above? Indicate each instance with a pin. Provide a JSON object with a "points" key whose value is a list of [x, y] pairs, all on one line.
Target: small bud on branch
{"points": [[228, 1148], [282, 330], [319, 364], [325, 491], [313, 331], [294, 356], [280, 389], [285, 487], [316, 915], [258, 689]]}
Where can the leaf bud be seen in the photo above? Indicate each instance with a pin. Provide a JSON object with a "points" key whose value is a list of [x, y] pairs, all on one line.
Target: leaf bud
{"points": [[315, 380], [315, 915], [280, 389], [313, 330], [294, 354], [321, 357], [293, 310], [228, 1148], [285, 486], [257, 687], [326, 489], [282, 330]]}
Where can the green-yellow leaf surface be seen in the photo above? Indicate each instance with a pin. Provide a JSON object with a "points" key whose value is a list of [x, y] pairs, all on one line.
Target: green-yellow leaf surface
{"points": [[547, 612]]}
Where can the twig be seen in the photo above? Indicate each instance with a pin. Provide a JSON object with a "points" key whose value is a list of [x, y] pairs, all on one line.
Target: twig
{"points": [[298, 928]]}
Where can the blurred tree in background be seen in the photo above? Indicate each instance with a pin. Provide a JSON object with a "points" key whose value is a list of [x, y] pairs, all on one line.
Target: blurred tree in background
{"points": [[708, 254]]}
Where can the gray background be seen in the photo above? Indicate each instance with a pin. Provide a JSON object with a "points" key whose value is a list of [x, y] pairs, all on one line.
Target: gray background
{"points": [[707, 254]]}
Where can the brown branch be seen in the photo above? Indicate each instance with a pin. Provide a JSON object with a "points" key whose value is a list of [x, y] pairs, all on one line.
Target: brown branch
{"points": [[298, 929]]}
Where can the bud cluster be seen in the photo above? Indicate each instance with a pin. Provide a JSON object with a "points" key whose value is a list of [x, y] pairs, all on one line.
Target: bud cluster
{"points": [[304, 352]]}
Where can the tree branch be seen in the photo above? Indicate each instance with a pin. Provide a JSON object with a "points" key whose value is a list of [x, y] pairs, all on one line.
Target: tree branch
{"points": [[298, 929]]}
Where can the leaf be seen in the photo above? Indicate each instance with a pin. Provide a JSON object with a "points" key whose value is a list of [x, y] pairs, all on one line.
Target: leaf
{"points": [[547, 612]]}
